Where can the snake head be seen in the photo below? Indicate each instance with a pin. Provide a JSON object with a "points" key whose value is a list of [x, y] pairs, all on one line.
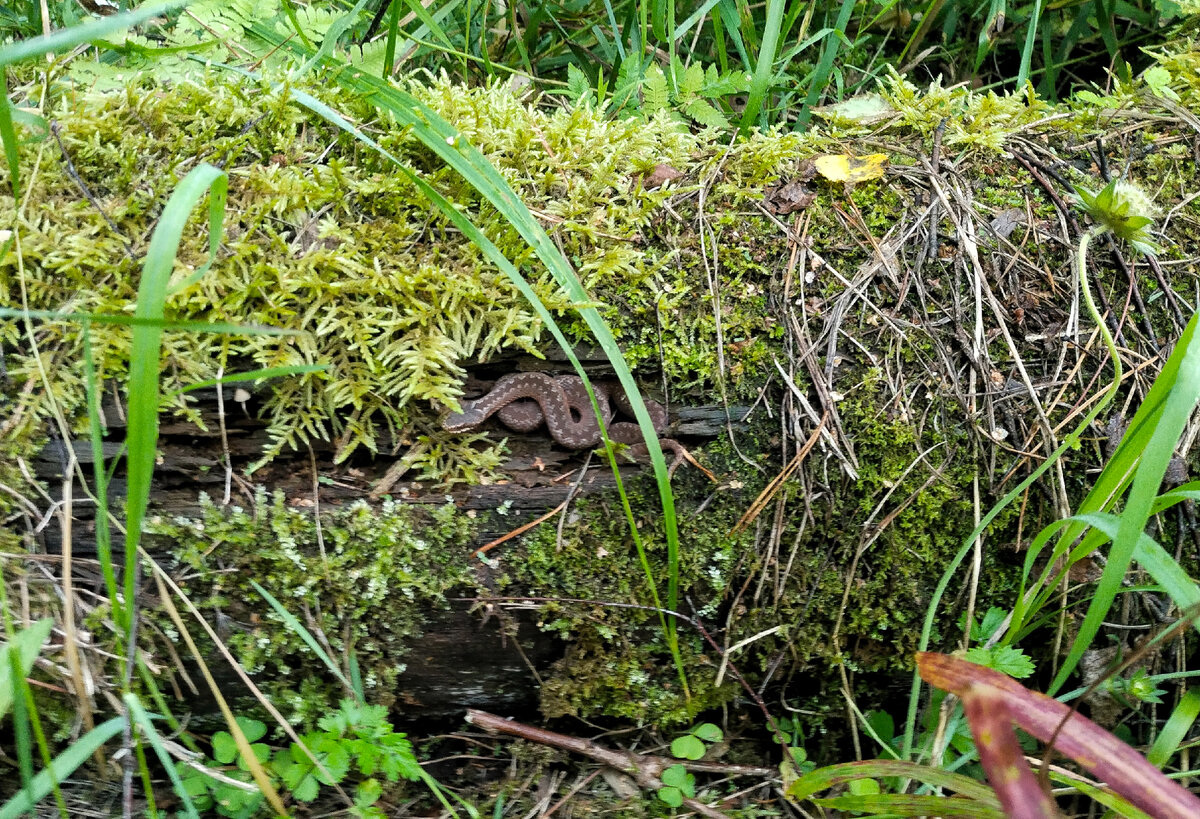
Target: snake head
{"points": [[469, 417]]}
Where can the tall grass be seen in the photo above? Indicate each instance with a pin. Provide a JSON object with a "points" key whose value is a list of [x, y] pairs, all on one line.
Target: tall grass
{"points": [[792, 50], [121, 578]]}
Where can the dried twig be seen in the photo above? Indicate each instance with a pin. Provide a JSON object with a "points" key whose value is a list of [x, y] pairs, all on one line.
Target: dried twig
{"points": [[646, 769]]}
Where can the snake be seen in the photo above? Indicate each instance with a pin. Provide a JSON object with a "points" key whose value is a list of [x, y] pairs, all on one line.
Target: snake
{"points": [[524, 401]]}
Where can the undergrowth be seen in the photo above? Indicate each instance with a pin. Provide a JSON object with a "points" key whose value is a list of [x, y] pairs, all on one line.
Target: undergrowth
{"points": [[358, 257]]}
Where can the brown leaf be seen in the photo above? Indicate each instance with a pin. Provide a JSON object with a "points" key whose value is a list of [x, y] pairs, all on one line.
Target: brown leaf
{"points": [[659, 176], [1000, 754], [788, 197], [1007, 221]]}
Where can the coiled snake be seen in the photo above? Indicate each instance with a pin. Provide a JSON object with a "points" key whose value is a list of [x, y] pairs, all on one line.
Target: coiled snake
{"points": [[562, 404]]}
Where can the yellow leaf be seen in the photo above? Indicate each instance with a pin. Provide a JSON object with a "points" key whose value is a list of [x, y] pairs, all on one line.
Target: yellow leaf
{"points": [[850, 169]]}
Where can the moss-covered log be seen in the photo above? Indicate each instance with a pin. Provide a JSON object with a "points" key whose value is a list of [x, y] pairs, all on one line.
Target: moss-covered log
{"points": [[921, 331]]}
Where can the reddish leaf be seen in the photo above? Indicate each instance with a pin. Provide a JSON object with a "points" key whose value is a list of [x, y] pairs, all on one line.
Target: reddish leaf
{"points": [[1001, 756], [1123, 769]]}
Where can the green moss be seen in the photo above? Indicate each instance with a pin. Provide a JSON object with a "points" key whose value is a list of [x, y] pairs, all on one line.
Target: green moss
{"points": [[325, 237], [361, 583]]}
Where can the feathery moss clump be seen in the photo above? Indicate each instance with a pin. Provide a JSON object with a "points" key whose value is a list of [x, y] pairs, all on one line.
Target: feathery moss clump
{"points": [[324, 237]]}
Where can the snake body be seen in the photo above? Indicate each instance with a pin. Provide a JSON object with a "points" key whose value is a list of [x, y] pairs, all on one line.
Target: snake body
{"points": [[524, 401]]}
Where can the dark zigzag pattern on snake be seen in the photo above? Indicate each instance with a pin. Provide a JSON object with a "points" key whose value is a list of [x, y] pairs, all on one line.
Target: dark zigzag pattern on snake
{"points": [[562, 404]]}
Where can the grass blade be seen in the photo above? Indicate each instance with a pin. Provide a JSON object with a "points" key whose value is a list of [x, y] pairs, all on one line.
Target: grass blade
{"points": [[1152, 557], [235, 730], [26, 644], [764, 70], [832, 776], [148, 321], [90, 31], [256, 375], [1031, 31], [63, 766], [296, 626], [1173, 733], [142, 440], [829, 52], [1182, 399], [139, 717], [99, 474], [8, 138], [393, 26]]}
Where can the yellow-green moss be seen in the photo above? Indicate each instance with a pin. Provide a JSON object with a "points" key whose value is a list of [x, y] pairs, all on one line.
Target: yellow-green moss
{"points": [[324, 236]]}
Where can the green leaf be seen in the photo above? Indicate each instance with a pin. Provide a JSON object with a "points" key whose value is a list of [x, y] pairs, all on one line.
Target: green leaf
{"points": [[307, 788], [253, 729], [262, 753], [1005, 659], [672, 796], [703, 113], [629, 78], [656, 95], [367, 793], [883, 723], [678, 779], [708, 732], [1012, 661], [800, 758], [687, 747], [63, 766], [675, 776], [27, 643], [1158, 80], [693, 81], [224, 747], [235, 802], [195, 783], [578, 87], [399, 759], [863, 787], [256, 375], [993, 618], [332, 753]]}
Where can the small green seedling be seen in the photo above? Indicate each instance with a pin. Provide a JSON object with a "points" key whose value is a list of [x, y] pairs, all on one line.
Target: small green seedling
{"points": [[789, 732], [677, 782], [353, 736], [225, 797], [1138, 688], [692, 744]]}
